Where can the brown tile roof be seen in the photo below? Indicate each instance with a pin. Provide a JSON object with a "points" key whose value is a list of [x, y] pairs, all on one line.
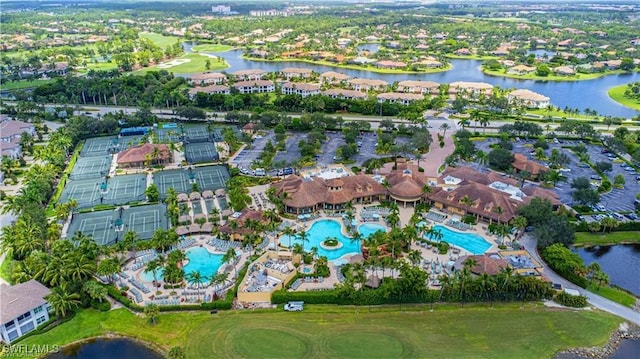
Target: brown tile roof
{"points": [[138, 153], [208, 76], [406, 182], [21, 298], [344, 93], [485, 201], [253, 83], [308, 192], [399, 96], [332, 75], [296, 70], [522, 163], [244, 216], [484, 264], [301, 86], [209, 89]]}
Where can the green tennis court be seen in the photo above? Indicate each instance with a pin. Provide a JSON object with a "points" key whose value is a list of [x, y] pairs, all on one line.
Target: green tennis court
{"points": [[145, 220], [91, 167], [211, 177], [97, 225], [168, 135], [207, 177], [100, 146], [117, 190], [200, 152], [196, 133]]}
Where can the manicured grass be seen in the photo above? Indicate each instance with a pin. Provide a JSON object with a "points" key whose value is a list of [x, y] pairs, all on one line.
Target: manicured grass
{"points": [[353, 67], [23, 84], [559, 114], [187, 64], [506, 331], [598, 239], [533, 76], [617, 295], [159, 39], [5, 269], [212, 48], [617, 94], [471, 57]]}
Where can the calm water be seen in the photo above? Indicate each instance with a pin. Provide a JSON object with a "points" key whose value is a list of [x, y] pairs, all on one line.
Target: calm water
{"points": [[628, 349], [368, 229], [321, 230], [107, 349], [581, 94], [470, 242], [200, 260], [621, 263]]}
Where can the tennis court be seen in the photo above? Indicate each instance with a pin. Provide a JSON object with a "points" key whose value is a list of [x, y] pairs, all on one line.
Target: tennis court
{"points": [[196, 133], [200, 152], [97, 225], [91, 167], [117, 190], [207, 177], [168, 135], [145, 220], [100, 146]]}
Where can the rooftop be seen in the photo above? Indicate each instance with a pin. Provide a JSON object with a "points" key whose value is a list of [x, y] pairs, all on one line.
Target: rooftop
{"points": [[21, 298]]}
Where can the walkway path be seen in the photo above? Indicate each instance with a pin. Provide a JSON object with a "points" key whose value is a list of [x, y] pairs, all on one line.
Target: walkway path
{"points": [[593, 299]]}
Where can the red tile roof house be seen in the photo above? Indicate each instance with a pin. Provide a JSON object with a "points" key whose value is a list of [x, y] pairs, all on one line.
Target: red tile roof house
{"points": [[208, 78], [331, 77], [249, 75], [301, 89], [136, 157], [307, 195], [522, 163], [249, 128], [23, 308]]}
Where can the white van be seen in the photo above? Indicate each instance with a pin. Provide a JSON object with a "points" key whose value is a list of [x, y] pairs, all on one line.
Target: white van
{"points": [[260, 172], [294, 306]]}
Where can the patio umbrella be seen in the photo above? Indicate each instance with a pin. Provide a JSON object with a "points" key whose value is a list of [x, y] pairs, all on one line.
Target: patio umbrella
{"points": [[307, 216], [194, 228], [301, 216], [220, 192], [207, 194], [376, 216], [182, 197], [181, 230], [207, 227], [194, 195]]}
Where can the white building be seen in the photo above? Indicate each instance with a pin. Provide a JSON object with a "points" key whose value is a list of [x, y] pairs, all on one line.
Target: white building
{"points": [[260, 86], [220, 9], [302, 89], [528, 98], [22, 309]]}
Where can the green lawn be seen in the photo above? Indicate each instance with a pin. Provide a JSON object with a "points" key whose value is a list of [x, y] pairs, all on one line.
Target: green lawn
{"points": [[353, 67], [15, 85], [159, 39], [598, 239], [617, 94], [533, 76], [5, 269], [212, 48], [506, 331], [187, 64], [614, 294]]}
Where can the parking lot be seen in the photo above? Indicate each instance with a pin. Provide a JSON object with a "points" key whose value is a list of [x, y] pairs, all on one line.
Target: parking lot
{"points": [[248, 155], [292, 153], [616, 200]]}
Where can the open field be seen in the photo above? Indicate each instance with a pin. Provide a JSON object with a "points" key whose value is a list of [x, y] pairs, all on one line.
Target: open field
{"points": [[533, 76], [617, 94], [506, 331], [186, 64], [353, 67], [615, 294], [160, 40], [599, 239], [211, 48], [23, 84]]}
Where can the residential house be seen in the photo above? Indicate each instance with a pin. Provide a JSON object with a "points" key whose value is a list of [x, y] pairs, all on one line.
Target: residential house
{"points": [[345, 94], [208, 78], [421, 87], [399, 97], [388, 64], [10, 130], [135, 157], [249, 128], [301, 89], [360, 84], [255, 86], [296, 72], [331, 77], [211, 89], [564, 70], [528, 98], [248, 75], [10, 149], [429, 64], [23, 308], [473, 89], [521, 69], [310, 194]]}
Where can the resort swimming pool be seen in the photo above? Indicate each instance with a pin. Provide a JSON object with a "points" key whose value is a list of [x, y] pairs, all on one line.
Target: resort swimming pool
{"points": [[470, 242], [200, 260], [368, 229], [321, 230]]}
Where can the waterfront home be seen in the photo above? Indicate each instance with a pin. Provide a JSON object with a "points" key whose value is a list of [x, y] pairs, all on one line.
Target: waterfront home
{"points": [[473, 89], [332, 77], [211, 89], [255, 86], [208, 78], [399, 97], [345, 94], [23, 308], [360, 84], [421, 87], [296, 72], [248, 75], [564, 70], [521, 69], [528, 98], [301, 89], [388, 64], [310, 194], [135, 157], [429, 64]]}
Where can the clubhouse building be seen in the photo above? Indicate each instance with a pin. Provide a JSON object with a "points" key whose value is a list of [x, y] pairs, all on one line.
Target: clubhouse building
{"points": [[135, 157]]}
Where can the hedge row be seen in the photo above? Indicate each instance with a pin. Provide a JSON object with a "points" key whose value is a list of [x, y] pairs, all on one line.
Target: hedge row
{"points": [[355, 297], [116, 294], [622, 227], [568, 300]]}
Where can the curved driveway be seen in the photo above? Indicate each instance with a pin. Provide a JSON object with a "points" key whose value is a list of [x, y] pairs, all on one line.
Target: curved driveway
{"points": [[593, 299]]}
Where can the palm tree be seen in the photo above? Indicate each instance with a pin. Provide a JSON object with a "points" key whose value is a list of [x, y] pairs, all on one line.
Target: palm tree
{"points": [[520, 222], [153, 266], [151, 311], [444, 127], [467, 202], [62, 300], [229, 257], [108, 267], [303, 237], [289, 232], [195, 277], [415, 256]]}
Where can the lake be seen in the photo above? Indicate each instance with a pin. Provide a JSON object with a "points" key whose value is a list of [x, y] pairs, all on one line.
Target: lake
{"points": [[106, 348], [576, 94], [621, 263]]}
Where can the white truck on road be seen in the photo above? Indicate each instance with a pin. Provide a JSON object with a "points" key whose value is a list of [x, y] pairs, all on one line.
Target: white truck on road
{"points": [[294, 306]]}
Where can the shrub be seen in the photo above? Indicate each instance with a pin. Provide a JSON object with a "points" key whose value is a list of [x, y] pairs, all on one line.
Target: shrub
{"points": [[568, 300], [330, 242], [443, 247], [103, 306]]}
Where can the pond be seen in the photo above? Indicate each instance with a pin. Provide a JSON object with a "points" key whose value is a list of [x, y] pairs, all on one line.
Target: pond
{"points": [[621, 263], [576, 94], [106, 348]]}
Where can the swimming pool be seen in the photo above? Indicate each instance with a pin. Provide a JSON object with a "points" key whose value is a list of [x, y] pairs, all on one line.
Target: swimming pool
{"points": [[470, 242], [368, 229], [200, 260], [321, 230]]}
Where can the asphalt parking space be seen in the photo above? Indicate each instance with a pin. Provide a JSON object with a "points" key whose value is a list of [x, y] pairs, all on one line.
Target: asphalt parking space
{"points": [[329, 148], [248, 155], [292, 152]]}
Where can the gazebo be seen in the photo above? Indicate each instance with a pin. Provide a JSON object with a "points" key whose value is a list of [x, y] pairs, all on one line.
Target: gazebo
{"points": [[182, 197], [194, 228], [194, 196], [181, 230], [207, 194]]}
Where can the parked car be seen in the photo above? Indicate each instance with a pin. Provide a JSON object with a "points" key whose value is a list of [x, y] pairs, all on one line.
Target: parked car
{"points": [[288, 171], [294, 306], [261, 172], [596, 178]]}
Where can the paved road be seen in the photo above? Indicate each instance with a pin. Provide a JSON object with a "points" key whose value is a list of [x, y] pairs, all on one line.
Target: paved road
{"points": [[593, 299]]}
